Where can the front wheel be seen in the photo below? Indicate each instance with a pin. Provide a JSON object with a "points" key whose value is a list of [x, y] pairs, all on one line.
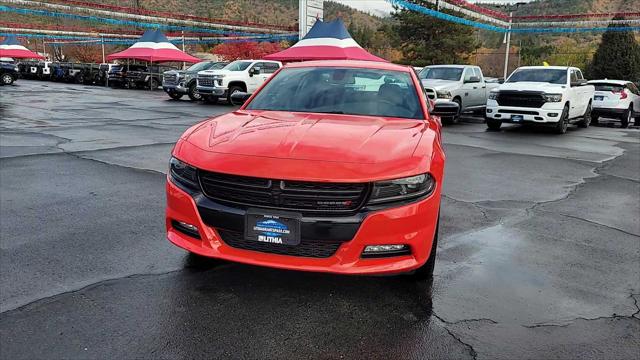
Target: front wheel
{"points": [[232, 90], [7, 79], [193, 93], [154, 84], [563, 123], [586, 119], [175, 95], [425, 271], [493, 124]]}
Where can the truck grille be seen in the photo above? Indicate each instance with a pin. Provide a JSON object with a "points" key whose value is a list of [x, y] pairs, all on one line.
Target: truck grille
{"points": [[521, 99], [306, 197], [206, 80], [306, 248], [170, 79]]}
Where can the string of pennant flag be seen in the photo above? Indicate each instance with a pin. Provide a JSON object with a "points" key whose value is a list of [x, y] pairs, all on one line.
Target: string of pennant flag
{"points": [[502, 24]]}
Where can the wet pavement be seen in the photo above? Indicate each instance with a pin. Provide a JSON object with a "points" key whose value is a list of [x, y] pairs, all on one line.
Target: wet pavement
{"points": [[539, 251]]}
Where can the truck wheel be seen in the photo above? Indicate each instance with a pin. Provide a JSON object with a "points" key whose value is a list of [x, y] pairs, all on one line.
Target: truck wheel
{"points": [[175, 95], [232, 90], [561, 126], [7, 79], [493, 124], [154, 84], [586, 119], [626, 118], [425, 271], [193, 93]]}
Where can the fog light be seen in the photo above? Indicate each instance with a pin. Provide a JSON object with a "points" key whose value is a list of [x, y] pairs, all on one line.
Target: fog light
{"points": [[489, 111], [553, 114], [186, 228], [385, 250]]}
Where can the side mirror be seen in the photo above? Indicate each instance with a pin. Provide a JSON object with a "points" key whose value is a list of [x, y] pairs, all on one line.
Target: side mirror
{"points": [[238, 98], [445, 109], [254, 71], [473, 79], [578, 83]]}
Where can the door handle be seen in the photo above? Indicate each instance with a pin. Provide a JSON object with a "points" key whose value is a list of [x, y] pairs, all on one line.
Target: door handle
{"points": [[484, 87], [475, 87]]}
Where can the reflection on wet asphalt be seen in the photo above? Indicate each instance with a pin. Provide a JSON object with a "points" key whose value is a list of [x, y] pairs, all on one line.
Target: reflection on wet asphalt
{"points": [[539, 253]]}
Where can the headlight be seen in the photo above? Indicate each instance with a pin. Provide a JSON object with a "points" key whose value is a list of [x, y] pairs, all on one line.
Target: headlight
{"points": [[402, 189], [218, 76], [183, 172], [552, 97], [493, 95], [444, 94]]}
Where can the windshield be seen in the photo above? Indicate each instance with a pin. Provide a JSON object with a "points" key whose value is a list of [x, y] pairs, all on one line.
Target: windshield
{"points": [[341, 91], [552, 76], [608, 87], [200, 66], [441, 73], [238, 66]]}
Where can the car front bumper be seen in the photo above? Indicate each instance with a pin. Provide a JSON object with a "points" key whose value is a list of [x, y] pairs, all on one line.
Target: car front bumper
{"points": [[549, 113], [412, 224], [176, 88], [210, 90]]}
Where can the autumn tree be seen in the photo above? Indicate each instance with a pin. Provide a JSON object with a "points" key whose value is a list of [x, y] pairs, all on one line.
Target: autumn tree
{"points": [[245, 50], [84, 53]]}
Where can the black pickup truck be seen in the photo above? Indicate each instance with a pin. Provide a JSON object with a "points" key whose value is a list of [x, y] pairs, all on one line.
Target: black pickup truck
{"points": [[8, 73], [136, 76]]}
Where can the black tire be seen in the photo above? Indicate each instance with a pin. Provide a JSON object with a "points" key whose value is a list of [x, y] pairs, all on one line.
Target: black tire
{"points": [[154, 84], [454, 119], [7, 79], [586, 118], [175, 95], [425, 271], [193, 93], [233, 89], [563, 123], [626, 118], [493, 124]]}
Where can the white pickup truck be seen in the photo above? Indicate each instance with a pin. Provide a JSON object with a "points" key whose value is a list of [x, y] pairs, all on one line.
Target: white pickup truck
{"points": [[462, 84], [542, 95], [239, 76]]}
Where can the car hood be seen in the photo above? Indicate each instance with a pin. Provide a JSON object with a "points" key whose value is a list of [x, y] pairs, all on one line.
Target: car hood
{"points": [[532, 86], [310, 136], [440, 84], [215, 72], [177, 72]]}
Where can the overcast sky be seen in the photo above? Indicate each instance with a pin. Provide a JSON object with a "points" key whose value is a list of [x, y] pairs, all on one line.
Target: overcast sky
{"points": [[382, 7]]}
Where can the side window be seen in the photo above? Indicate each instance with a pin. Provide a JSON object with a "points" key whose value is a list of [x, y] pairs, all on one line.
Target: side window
{"points": [[579, 74], [574, 76], [477, 73], [468, 73], [269, 68]]}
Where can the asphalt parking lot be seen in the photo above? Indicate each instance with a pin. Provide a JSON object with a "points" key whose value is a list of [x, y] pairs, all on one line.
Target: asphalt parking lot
{"points": [[539, 252]]}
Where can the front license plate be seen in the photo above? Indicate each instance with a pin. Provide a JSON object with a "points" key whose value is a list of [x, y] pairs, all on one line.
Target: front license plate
{"points": [[517, 118], [272, 227], [599, 98]]}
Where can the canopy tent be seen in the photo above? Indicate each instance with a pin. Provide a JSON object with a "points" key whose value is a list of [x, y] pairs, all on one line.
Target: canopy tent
{"points": [[153, 46], [325, 41], [11, 48]]}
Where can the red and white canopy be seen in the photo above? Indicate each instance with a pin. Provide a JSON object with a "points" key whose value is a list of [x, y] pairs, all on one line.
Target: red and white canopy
{"points": [[11, 48], [153, 46], [325, 41]]}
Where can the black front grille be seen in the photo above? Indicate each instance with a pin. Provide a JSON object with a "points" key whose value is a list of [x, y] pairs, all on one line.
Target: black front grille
{"points": [[206, 81], [306, 248], [170, 79], [520, 99], [307, 197]]}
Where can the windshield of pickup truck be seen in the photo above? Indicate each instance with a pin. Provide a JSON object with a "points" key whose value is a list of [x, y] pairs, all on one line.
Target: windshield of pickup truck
{"points": [[200, 66], [441, 73], [334, 90], [238, 66], [552, 76]]}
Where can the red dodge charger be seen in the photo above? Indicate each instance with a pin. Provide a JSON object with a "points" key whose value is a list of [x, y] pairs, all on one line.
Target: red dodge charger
{"points": [[332, 166]]}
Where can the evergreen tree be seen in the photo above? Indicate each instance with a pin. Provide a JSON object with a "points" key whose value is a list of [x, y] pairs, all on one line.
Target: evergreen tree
{"points": [[425, 40], [617, 57]]}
